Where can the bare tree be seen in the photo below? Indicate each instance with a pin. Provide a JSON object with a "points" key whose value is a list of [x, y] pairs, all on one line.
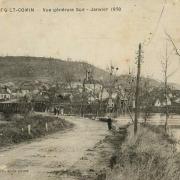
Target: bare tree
{"points": [[112, 78], [177, 51], [87, 73], [146, 99], [111, 85], [165, 64], [69, 79], [101, 96]]}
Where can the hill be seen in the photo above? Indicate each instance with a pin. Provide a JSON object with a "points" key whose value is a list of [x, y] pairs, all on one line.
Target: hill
{"points": [[125, 79], [20, 68]]}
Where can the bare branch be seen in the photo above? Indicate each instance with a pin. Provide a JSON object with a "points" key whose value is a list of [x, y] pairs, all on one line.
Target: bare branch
{"points": [[171, 40]]}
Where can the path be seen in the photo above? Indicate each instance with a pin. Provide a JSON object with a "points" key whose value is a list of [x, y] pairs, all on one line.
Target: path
{"points": [[59, 151]]}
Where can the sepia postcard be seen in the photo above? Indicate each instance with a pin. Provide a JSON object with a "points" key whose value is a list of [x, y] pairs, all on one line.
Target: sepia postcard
{"points": [[90, 89]]}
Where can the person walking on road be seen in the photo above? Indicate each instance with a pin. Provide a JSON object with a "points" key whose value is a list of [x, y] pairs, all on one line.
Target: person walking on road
{"points": [[55, 110], [109, 122], [58, 111]]}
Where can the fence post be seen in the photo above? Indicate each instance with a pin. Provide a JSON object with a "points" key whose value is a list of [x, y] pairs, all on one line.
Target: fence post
{"points": [[46, 126], [29, 129]]}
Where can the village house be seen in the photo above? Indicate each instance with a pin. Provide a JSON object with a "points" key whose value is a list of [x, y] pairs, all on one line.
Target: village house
{"points": [[28, 87], [5, 94], [173, 99], [157, 103], [161, 103]]}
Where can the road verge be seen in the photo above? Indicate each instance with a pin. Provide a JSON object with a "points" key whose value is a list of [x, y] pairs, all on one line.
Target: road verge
{"points": [[21, 129], [149, 155]]}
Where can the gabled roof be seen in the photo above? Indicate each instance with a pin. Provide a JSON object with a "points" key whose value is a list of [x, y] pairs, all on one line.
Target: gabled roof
{"points": [[4, 91]]}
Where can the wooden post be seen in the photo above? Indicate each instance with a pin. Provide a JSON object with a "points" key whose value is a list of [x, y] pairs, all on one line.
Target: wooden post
{"points": [[29, 129], [137, 90], [46, 125]]}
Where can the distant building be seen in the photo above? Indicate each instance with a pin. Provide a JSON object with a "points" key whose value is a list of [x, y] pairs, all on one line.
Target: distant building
{"points": [[161, 103], [5, 94], [157, 103], [177, 100], [110, 103], [27, 87]]}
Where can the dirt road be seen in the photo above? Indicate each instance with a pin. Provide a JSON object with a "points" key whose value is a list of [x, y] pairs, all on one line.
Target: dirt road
{"points": [[56, 152]]}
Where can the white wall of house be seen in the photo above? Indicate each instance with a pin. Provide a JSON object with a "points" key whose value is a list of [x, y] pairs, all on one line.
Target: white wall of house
{"points": [[24, 92], [157, 103], [104, 94], [177, 100], [110, 103], [168, 102], [5, 96]]}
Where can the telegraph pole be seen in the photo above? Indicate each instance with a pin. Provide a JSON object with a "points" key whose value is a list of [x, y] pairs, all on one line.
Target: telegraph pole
{"points": [[137, 89]]}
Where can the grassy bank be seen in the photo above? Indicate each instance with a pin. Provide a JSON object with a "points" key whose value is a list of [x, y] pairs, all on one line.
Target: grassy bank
{"points": [[16, 130], [151, 155]]}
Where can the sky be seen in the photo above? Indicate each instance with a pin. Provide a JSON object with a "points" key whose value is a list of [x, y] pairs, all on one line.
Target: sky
{"points": [[100, 38]]}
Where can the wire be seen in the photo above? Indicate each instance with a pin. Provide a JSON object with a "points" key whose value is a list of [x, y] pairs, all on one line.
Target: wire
{"points": [[157, 25]]}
